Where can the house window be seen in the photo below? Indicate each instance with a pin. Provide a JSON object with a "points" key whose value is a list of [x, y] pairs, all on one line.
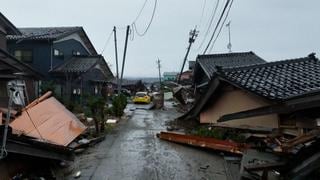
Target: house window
{"points": [[96, 90], [56, 52], [23, 55], [76, 53]]}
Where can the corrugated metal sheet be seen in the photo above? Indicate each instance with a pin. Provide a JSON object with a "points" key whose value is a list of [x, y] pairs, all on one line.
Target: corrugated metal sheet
{"points": [[49, 121]]}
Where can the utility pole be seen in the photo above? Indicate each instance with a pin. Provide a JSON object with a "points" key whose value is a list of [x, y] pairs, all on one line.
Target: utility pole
{"points": [[159, 68], [124, 54], [229, 44], [159, 102], [116, 55], [193, 34]]}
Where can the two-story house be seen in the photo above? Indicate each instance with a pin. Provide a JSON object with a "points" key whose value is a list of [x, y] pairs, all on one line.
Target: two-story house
{"points": [[47, 49]]}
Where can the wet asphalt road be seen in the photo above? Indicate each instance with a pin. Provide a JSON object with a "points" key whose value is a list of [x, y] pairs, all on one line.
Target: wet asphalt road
{"points": [[133, 151]]}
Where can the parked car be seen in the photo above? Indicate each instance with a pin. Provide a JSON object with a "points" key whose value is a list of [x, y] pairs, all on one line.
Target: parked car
{"points": [[142, 97], [125, 92]]}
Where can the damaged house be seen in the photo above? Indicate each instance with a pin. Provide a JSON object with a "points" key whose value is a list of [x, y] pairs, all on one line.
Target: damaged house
{"points": [[30, 140], [12, 70], [282, 94], [204, 68], [66, 57]]}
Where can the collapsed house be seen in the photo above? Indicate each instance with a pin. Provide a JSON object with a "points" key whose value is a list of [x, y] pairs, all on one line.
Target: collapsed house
{"points": [[205, 67], [282, 94], [36, 133], [43, 130], [12, 70]]}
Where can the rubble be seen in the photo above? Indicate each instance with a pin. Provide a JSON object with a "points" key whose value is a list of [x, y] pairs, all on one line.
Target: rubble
{"points": [[266, 153]]}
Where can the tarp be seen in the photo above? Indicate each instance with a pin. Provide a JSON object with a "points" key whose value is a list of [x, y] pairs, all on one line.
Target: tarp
{"points": [[49, 121]]}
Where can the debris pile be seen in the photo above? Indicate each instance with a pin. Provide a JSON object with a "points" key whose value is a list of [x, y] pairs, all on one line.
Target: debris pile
{"points": [[264, 153], [44, 129]]}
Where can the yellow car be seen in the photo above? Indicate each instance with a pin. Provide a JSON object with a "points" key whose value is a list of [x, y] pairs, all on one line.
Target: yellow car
{"points": [[142, 97]]}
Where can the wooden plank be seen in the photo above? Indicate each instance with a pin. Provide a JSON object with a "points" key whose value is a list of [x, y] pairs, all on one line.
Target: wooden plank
{"points": [[204, 142], [265, 166], [278, 108]]}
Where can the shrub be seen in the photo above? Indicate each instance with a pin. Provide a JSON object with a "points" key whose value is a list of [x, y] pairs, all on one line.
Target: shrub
{"points": [[47, 86], [220, 133], [119, 103]]}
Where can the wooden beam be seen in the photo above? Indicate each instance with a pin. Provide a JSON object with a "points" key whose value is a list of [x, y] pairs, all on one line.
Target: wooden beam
{"points": [[204, 142], [26, 149], [278, 108], [265, 166]]}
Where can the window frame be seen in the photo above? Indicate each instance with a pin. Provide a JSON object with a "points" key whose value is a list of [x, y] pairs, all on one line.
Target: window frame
{"points": [[20, 58]]}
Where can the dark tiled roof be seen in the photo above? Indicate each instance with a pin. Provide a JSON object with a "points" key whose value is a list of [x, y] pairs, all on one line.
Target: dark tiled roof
{"points": [[281, 80], [209, 62], [44, 33], [77, 64]]}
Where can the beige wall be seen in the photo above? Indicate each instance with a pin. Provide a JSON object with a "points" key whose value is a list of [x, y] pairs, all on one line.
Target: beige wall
{"points": [[235, 101]]}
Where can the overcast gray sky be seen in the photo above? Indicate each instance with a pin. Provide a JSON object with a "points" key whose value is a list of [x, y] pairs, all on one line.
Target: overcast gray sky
{"points": [[273, 29]]}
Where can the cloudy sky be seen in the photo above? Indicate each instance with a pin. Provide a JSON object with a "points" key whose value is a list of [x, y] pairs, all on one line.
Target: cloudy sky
{"points": [[273, 29]]}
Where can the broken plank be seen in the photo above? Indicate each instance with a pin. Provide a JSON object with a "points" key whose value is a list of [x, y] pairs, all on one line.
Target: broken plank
{"points": [[205, 142], [264, 166]]}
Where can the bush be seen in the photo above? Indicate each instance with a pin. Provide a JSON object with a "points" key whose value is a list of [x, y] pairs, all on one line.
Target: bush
{"points": [[220, 133], [119, 103], [47, 86], [96, 106]]}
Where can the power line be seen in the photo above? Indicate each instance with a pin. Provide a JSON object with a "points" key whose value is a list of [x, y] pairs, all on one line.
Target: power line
{"points": [[224, 21], [209, 24], [107, 42], [134, 26], [140, 12], [202, 13], [218, 23]]}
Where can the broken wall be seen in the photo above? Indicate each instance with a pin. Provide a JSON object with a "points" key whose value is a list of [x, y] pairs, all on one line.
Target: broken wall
{"points": [[233, 101]]}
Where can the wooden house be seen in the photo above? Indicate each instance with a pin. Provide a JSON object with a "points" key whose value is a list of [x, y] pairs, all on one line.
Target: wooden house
{"points": [[62, 54], [282, 94], [13, 69]]}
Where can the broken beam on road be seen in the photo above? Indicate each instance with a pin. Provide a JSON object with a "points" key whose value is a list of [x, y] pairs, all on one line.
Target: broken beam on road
{"points": [[205, 142]]}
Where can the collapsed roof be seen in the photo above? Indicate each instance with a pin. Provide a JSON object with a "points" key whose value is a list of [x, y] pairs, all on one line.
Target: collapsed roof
{"points": [[47, 120], [209, 62], [278, 82]]}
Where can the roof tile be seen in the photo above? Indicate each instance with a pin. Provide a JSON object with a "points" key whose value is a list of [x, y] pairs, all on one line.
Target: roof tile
{"points": [[279, 80]]}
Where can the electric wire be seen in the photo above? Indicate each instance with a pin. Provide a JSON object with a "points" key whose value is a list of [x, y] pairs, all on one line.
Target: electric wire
{"points": [[213, 14], [134, 26], [107, 42], [202, 13], [224, 21], [217, 25], [140, 12]]}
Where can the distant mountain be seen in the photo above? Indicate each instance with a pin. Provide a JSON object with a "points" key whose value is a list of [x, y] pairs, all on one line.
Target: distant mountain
{"points": [[144, 79]]}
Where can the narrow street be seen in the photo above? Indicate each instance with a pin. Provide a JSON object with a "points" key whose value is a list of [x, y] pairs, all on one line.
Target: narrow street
{"points": [[132, 151]]}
